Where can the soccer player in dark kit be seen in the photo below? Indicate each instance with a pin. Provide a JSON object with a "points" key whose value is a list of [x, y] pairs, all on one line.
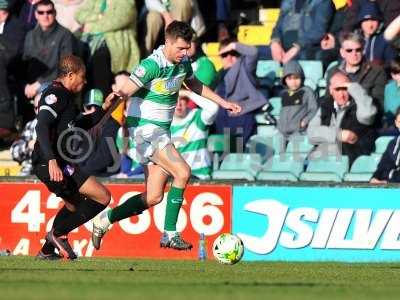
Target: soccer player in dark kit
{"points": [[83, 196]]}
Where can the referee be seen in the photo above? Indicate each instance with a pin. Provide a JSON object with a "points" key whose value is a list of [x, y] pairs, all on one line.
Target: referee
{"points": [[52, 159]]}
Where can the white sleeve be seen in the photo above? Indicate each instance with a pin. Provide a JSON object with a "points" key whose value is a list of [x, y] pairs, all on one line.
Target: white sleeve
{"points": [[209, 109], [156, 5]]}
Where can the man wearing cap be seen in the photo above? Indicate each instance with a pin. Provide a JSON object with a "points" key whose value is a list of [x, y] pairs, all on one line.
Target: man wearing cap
{"points": [[12, 35], [376, 48]]}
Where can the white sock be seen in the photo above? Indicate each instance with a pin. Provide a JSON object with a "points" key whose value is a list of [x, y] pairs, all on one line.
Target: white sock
{"points": [[170, 233], [104, 221]]}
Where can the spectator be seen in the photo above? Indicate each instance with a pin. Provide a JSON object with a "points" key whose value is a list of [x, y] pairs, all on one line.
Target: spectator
{"points": [[12, 35], [21, 149], [66, 10], [109, 28], [203, 68], [389, 9], [376, 49], [162, 13], [343, 123], [371, 77], [299, 30], [27, 13], [388, 169], [298, 102], [189, 130], [392, 92], [392, 33], [394, 128], [238, 83], [44, 46], [101, 160], [330, 45]]}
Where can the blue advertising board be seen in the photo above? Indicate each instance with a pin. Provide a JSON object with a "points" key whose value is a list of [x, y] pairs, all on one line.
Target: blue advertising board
{"points": [[318, 223]]}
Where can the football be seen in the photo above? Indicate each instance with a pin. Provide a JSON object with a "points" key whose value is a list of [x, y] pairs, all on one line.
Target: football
{"points": [[228, 249]]}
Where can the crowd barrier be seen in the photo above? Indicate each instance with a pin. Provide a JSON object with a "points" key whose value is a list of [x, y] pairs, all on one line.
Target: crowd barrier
{"points": [[276, 221]]}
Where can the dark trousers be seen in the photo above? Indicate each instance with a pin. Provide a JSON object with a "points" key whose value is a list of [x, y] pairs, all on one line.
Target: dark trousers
{"points": [[99, 72]]}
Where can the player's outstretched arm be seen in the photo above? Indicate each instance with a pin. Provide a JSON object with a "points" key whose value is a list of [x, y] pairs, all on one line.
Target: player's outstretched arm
{"points": [[197, 87]]}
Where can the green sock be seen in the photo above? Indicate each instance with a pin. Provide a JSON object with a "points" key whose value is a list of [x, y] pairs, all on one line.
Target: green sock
{"points": [[131, 207], [174, 203]]}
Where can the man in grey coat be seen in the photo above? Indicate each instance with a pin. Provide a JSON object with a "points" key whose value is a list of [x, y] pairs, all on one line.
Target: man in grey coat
{"points": [[44, 47], [237, 82], [343, 123]]}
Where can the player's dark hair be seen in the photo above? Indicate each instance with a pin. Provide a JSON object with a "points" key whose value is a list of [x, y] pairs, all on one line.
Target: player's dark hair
{"points": [[70, 64], [179, 29], [45, 3]]}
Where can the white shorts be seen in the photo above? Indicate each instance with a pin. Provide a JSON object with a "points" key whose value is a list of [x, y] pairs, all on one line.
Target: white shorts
{"points": [[148, 138]]}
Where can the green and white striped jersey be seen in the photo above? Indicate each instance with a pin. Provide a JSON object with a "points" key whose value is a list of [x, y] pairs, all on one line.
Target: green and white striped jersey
{"points": [[160, 82], [190, 135]]}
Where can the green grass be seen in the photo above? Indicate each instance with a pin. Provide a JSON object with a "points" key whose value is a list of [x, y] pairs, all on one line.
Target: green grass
{"points": [[118, 279]]}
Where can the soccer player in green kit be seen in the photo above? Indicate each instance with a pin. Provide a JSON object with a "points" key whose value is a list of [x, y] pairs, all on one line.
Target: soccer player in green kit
{"points": [[154, 85]]}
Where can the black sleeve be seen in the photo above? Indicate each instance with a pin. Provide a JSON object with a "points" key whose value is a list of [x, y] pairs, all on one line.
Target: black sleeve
{"points": [[43, 126], [50, 106], [88, 121], [386, 164]]}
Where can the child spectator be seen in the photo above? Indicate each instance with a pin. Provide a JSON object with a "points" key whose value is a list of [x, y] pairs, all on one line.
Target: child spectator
{"points": [[392, 92], [299, 104], [376, 48]]}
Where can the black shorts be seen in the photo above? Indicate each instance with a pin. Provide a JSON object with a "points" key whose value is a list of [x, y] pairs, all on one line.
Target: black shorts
{"points": [[74, 178]]}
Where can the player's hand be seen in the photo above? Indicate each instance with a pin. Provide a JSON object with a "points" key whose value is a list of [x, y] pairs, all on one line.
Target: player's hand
{"points": [[55, 171], [232, 108], [110, 99]]}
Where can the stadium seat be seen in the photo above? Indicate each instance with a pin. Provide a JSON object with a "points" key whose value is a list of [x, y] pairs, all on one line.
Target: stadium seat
{"points": [[268, 72], [285, 166], [299, 144], [216, 146], [322, 82], [332, 168], [210, 49], [268, 15], [381, 143], [363, 168], [266, 146], [255, 34], [267, 130], [313, 72], [276, 103], [239, 166]]}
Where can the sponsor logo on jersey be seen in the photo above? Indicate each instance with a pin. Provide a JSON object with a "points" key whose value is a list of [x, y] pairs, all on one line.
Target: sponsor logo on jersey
{"points": [[50, 99]]}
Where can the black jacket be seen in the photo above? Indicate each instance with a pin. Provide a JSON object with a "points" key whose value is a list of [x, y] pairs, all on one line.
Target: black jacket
{"points": [[389, 165]]}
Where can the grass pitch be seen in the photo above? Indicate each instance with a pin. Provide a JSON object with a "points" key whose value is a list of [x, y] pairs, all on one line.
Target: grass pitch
{"points": [[98, 278]]}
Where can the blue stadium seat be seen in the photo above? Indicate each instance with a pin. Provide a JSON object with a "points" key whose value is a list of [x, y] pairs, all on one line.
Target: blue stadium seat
{"points": [[381, 143], [299, 144], [265, 146], [332, 168], [267, 130], [285, 166], [363, 168], [313, 72], [268, 72], [276, 103], [239, 166], [216, 145]]}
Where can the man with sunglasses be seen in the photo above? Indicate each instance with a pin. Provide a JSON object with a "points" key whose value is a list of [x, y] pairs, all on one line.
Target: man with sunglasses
{"points": [[371, 77], [343, 124], [44, 47]]}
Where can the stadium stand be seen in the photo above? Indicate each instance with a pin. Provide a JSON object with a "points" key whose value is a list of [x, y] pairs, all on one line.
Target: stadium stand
{"points": [[331, 168], [284, 167], [381, 144], [363, 168], [239, 166]]}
